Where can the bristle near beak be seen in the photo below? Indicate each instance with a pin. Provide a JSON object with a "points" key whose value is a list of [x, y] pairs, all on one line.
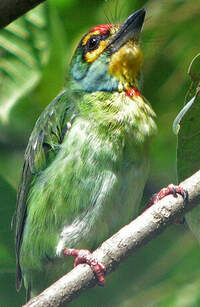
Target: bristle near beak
{"points": [[130, 30]]}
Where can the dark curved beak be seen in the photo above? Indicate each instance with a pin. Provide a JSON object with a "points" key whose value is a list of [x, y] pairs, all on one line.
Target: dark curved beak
{"points": [[130, 29]]}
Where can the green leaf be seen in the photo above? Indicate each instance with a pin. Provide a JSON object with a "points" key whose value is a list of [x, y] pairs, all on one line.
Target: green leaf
{"points": [[194, 73], [194, 69], [188, 120], [188, 151], [24, 49]]}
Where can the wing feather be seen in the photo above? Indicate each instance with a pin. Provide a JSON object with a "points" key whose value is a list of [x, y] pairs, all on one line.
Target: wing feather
{"points": [[42, 148]]}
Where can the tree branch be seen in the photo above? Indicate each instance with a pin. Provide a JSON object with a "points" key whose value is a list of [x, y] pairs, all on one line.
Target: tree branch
{"points": [[124, 243], [12, 9]]}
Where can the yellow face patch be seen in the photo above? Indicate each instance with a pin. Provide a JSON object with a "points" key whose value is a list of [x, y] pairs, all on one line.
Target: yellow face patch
{"points": [[126, 63]]}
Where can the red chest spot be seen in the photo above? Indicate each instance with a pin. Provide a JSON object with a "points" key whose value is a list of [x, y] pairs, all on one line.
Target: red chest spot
{"points": [[103, 29], [132, 92]]}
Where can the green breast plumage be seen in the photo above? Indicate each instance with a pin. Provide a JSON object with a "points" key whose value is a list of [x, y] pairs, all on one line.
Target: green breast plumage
{"points": [[94, 183]]}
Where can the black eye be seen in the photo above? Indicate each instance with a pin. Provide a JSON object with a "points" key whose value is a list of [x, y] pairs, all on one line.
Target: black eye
{"points": [[93, 43]]}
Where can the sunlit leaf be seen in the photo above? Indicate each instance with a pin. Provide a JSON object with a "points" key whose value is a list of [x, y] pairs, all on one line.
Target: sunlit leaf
{"points": [[24, 48], [194, 73], [194, 69]]}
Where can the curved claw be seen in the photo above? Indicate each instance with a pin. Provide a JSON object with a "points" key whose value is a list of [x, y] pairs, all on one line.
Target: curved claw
{"points": [[176, 189], [171, 189]]}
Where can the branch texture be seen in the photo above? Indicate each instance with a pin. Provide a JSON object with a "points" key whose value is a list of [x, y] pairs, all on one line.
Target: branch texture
{"points": [[125, 242], [12, 9]]}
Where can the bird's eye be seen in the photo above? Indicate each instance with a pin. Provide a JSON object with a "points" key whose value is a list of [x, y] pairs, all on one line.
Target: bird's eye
{"points": [[93, 43]]}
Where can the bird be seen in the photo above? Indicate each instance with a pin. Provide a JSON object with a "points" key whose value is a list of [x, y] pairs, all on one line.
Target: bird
{"points": [[87, 159]]}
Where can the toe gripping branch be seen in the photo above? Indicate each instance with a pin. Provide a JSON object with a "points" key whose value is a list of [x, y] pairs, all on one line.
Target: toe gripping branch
{"points": [[170, 190], [85, 256]]}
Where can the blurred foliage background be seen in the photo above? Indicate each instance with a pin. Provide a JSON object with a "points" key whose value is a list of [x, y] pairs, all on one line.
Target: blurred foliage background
{"points": [[34, 53]]}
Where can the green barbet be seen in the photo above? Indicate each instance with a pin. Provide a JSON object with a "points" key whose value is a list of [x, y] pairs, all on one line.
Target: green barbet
{"points": [[86, 162]]}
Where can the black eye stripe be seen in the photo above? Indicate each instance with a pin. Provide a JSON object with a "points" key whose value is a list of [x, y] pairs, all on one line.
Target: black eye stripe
{"points": [[99, 38]]}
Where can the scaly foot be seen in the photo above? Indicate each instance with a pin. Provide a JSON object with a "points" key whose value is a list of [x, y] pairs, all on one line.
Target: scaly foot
{"points": [[85, 256], [169, 190]]}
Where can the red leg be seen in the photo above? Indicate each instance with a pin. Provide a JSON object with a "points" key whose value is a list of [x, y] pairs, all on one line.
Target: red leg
{"points": [[169, 190], [85, 256]]}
